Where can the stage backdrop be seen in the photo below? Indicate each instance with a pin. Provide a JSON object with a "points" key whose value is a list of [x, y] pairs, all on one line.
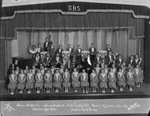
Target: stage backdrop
{"points": [[121, 41]]}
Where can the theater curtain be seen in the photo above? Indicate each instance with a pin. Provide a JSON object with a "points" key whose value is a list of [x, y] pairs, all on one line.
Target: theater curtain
{"points": [[120, 40]]}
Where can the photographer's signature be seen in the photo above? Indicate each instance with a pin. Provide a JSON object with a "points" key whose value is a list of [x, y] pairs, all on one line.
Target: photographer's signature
{"points": [[9, 108]]}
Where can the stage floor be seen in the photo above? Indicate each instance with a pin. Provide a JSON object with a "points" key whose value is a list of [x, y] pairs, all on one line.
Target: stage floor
{"points": [[142, 92]]}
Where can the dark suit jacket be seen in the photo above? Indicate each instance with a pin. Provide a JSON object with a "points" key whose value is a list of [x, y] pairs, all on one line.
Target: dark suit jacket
{"points": [[96, 61], [48, 46], [57, 51], [90, 50], [59, 60], [72, 50], [132, 63], [77, 52], [118, 62], [52, 51], [108, 58]]}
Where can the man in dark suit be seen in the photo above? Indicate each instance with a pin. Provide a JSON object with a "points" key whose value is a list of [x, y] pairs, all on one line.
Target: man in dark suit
{"points": [[108, 49], [47, 44], [98, 59], [59, 51], [47, 61], [119, 61], [71, 52], [131, 61], [52, 50], [39, 48], [92, 51], [57, 61], [78, 55], [110, 59]]}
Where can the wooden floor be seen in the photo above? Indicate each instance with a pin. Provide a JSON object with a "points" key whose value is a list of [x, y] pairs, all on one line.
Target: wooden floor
{"points": [[142, 92]]}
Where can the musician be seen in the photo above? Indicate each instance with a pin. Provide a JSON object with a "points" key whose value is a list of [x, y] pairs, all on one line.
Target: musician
{"points": [[11, 67], [47, 61], [88, 64], [37, 60], [57, 61], [52, 50], [140, 62], [47, 44], [39, 48], [108, 49], [12, 82], [71, 50], [136, 60], [98, 59], [59, 51], [92, 51], [119, 61], [131, 61], [42, 57], [78, 55], [103, 60], [110, 59]]}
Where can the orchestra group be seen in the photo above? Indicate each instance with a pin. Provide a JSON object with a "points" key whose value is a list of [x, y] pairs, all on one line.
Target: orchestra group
{"points": [[56, 71]]}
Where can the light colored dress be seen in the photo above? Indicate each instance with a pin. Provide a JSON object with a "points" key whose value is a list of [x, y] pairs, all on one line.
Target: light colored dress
{"points": [[48, 80], [130, 79], [57, 79], [39, 80], [138, 73], [121, 79], [112, 80], [75, 79], [21, 81], [30, 81], [12, 81], [84, 80], [103, 80], [97, 69], [66, 78], [94, 80]]}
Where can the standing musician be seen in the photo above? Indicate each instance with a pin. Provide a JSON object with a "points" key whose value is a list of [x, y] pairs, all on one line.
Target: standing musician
{"points": [[47, 44], [110, 59], [92, 51], [108, 49], [78, 55], [52, 50], [71, 50], [98, 59], [59, 51], [131, 61], [119, 61]]}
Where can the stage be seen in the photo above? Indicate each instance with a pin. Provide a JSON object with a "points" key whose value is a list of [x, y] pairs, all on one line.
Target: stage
{"points": [[142, 92]]}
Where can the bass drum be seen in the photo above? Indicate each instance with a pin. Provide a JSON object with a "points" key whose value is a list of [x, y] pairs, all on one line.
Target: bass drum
{"points": [[32, 49]]}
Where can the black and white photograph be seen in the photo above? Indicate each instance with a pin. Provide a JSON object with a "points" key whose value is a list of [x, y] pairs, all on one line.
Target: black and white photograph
{"points": [[75, 58]]}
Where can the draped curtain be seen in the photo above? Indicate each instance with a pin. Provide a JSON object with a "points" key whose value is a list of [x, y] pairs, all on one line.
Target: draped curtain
{"points": [[119, 40]]}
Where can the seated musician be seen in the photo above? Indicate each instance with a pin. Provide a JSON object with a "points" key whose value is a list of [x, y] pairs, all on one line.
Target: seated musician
{"points": [[98, 59], [131, 61], [37, 60], [42, 58], [47, 61], [71, 52], [110, 59], [59, 51], [57, 61], [140, 62], [39, 48], [66, 80], [92, 51], [94, 80], [136, 60], [21, 81], [119, 61], [30, 81], [12, 82], [103, 60], [108, 49], [78, 55], [84, 81]]}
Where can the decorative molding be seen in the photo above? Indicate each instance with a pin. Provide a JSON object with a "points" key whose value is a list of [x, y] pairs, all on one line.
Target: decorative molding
{"points": [[70, 29], [76, 13]]}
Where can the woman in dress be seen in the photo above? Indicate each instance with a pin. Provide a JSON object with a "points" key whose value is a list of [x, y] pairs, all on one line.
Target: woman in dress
{"points": [[97, 68], [130, 79], [75, 80], [84, 81], [106, 69], [103, 81], [21, 81], [39, 81], [112, 80], [94, 80], [48, 81], [30, 81], [66, 80], [12, 82], [138, 73], [57, 81], [121, 79]]}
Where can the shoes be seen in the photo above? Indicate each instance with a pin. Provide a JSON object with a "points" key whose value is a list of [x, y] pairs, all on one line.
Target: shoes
{"points": [[12, 93], [112, 91]]}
